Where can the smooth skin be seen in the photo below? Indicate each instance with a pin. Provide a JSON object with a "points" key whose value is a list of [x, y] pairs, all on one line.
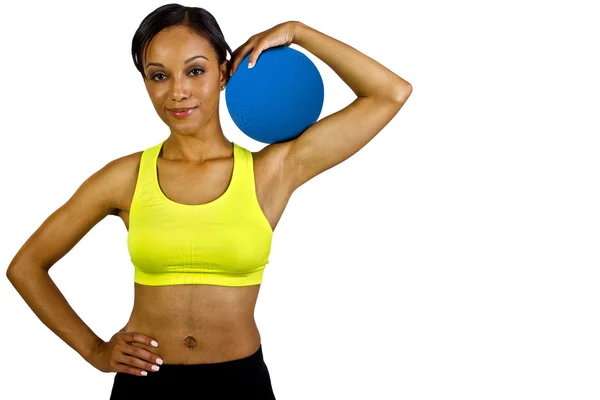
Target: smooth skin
{"points": [[195, 167]]}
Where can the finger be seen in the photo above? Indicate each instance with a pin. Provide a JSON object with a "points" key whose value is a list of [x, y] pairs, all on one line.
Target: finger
{"points": [[140, 338], [241, 57], [138, 364], [254, 55], [126, 369], [234, 57], [142, 354], [241, 53]]}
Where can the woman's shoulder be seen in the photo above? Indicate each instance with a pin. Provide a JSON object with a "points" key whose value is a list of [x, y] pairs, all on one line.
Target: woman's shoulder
{"points": [[123, 173], [125, 165]]}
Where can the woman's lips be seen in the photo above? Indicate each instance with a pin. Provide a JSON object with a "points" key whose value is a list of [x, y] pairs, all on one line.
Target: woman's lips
{"points": [[182, 114]]}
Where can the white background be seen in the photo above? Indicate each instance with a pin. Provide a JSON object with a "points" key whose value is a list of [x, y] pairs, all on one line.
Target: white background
{"points": [[453, 257]]}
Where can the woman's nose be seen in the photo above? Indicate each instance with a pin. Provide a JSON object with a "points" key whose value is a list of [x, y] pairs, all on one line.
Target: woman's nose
{"points": [[179, 89]]}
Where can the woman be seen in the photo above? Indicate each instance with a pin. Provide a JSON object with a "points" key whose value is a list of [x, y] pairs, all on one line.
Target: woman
{"points": [[200, 211]]}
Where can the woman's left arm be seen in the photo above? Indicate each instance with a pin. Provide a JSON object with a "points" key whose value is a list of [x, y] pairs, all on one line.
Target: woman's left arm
{"points": [[333, 139], [365, 76]]}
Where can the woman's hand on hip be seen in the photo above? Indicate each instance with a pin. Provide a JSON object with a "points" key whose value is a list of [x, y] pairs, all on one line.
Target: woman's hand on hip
{"points": [[119, 354]]}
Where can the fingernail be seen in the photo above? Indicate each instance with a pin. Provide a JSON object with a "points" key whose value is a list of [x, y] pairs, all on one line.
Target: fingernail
{"points": [[155, 368], [159, 361], [250, 65], [154, 343], [144, 373]]}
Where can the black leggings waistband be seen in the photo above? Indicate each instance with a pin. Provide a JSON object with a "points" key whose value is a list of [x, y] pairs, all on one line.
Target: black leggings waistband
{"points": [[243, 378]]}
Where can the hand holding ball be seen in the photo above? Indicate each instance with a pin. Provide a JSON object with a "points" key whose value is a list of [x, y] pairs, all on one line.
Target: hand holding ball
{"points": [[277, 99]]}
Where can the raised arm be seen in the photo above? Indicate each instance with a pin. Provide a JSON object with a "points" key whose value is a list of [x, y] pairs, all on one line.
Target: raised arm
{"points": [[380, 95]]}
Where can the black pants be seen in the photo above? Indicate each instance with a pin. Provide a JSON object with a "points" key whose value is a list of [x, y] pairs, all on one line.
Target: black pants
{"points": [[244, 379]]}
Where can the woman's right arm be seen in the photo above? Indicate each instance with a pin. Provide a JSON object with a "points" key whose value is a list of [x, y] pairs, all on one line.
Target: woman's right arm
{"points": [[59, 233]]}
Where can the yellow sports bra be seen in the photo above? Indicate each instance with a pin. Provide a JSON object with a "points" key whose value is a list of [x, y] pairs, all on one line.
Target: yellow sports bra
{"points": [[226, 242]]}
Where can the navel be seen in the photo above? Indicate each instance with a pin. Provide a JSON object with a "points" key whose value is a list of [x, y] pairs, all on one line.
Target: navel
{"points": [[190, 342]]}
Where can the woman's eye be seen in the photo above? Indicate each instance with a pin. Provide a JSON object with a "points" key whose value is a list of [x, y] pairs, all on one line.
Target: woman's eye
{"points": [[193, 69]]}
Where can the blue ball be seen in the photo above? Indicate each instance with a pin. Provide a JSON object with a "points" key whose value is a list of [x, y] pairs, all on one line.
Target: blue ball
{"points": [[277, 99]]}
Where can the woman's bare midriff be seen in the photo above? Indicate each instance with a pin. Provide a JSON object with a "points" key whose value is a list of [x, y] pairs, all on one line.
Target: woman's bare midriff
{"points": [[201, 324], [196, 324]]}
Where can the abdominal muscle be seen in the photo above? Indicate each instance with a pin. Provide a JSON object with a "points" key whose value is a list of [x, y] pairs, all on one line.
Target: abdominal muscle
{"points": [[196, 324]]}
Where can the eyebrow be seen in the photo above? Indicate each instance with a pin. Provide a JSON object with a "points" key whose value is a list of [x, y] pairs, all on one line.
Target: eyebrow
{"points": [[186, 61]]}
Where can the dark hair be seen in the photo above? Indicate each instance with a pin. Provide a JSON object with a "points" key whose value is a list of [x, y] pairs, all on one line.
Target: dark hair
{"points": [[197, 19]]}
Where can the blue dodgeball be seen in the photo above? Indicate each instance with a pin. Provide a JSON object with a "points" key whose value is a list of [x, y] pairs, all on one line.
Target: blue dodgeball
{"points": [[277, 99]]}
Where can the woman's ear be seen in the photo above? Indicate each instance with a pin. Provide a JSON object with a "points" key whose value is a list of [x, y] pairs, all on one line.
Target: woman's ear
{"points": [[225, 68]]}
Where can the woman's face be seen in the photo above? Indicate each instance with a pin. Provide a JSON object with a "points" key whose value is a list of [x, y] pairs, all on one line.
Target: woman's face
{"points": [[183, 80]]}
